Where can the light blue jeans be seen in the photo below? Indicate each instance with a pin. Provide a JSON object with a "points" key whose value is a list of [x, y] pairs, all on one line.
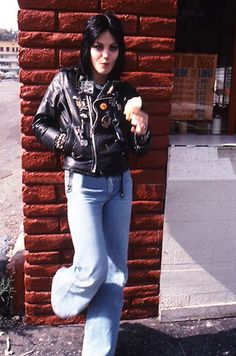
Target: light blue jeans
{"points": [[99, 219]]}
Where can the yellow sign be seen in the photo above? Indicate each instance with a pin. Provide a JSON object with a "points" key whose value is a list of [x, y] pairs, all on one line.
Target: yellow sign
{"points": [[193, 91]]}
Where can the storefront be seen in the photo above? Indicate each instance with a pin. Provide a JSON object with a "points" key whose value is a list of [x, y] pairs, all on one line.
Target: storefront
{"points": [[198, 254]]}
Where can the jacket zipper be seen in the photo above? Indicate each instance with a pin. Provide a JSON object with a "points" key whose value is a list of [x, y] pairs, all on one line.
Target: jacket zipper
{"points": [[92, 129]]}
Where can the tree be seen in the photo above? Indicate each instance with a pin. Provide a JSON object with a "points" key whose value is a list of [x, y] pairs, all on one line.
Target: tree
{"points": [[8, 35]]}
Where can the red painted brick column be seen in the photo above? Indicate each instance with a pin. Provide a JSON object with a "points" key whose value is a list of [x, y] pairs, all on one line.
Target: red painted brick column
{"points": [[49, 37]]}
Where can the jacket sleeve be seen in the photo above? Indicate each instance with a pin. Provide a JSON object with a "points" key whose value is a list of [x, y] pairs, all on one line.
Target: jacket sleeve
{"points": [[46, 121], [138, 144]]}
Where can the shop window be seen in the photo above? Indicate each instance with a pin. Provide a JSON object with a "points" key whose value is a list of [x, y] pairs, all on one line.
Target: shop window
{"points": [[206, 105], [201, 95]]}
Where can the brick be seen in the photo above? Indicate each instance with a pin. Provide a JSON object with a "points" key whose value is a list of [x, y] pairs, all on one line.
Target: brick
{"points": [[148, 79], [157, 26], [52, 320], [154, 93], [152, 63], [50, 242], [144, 264], [149, 176], [45, 210], [38, 297], [146, 221], [37, 76], [39, 194], [30, 143], [29, 108], [49, 39], [32, 92], [130, 23], [149, 192], [47, 270], [37, 58], [136, 252], [39, 161], [68, 57], [37, 284], [26, 125], [147, 207], [157, 107], [154, 44], [148, 7], [145, 237], [41, 225], [143, 277], [33, 20], [42, 257], [80, 5], [140, 313], [38, 309], [75, 22], [146, 302], [131, 61], [141, 291], [43, 177]]}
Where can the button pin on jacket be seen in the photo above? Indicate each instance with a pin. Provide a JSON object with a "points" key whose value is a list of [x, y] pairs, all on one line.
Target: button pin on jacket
{"points": [[103, 106]]}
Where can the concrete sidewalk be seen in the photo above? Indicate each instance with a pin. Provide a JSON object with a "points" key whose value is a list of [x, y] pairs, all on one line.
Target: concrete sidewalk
{"points": [[147, 337]]}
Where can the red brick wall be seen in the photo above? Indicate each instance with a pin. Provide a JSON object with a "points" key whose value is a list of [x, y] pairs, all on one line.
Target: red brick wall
{"points": [[49, 37]]}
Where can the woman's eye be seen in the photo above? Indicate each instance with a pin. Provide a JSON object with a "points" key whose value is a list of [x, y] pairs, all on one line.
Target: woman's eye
{"points": [[114, 48], [98, 47]]}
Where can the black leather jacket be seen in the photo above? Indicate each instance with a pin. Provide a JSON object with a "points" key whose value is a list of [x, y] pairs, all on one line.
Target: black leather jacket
{"points": [[98, 135]]}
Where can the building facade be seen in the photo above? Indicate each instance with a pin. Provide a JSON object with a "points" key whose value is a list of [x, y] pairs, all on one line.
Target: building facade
{"points": [[9, 58], [49, 38]]}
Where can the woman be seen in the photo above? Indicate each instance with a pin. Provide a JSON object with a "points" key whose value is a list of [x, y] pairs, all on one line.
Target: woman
{"points": [[82, 115]]}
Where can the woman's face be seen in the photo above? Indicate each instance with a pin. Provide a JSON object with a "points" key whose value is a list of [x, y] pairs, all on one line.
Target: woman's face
{"points": [[104, 53]]}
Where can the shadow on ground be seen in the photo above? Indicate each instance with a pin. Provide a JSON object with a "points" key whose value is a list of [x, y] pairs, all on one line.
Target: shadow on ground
{"points": [[138, 339], [146, 337]]}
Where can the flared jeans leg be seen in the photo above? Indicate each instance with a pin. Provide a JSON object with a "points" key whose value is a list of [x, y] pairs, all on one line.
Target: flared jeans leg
{"points": [[103, 317]]}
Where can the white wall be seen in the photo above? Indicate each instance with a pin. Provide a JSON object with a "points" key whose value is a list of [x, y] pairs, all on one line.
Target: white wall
{"points": [[198, 272]]}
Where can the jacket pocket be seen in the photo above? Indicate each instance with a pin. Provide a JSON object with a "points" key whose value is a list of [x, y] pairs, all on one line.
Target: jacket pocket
{"points": [[77, 146]]}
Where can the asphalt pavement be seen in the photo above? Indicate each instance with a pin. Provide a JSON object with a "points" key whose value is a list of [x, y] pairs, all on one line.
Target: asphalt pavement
{"points": [[10, 164], [146, 337]]}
